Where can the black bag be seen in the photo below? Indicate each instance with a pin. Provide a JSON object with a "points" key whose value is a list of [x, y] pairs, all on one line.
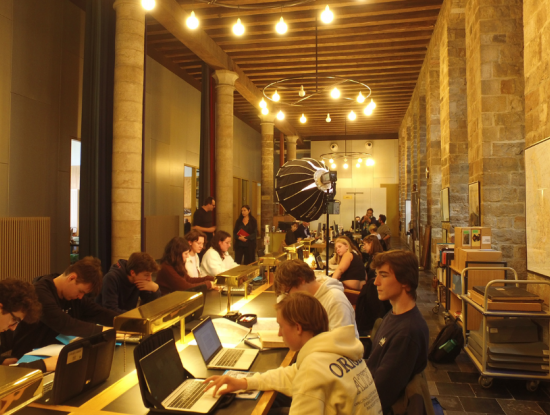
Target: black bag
{"points": [[447, 345]]}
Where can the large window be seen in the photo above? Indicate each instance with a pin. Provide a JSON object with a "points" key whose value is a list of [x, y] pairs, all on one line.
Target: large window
{"points": [[190, 192]]}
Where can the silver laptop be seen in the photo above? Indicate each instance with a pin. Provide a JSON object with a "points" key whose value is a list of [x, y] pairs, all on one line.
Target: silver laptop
{"points": [[217, 357], [170, 385]]}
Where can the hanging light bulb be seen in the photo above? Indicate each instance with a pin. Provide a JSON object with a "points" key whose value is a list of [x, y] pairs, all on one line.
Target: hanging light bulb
{"points": [[263, 104], [368, 111], [238, 28], [280, 115], [351, 115], [358, 165], [360, 98], [148, 4], [372, 104], [301, 93], [335, 93], [192, 22], [370, 162], [346, 165], [303, 119], [265, 111], [360, 160], [275, 96], [328, 118], [333, 166], [331, 161], [327, 15], [281, 27]]}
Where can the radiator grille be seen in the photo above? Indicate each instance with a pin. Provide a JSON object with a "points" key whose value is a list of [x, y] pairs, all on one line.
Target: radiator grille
{"points": [[24, 248]]}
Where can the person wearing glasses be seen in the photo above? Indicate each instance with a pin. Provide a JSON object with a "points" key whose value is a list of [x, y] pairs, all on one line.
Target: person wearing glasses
{"points": [[18, 302], [65, 307]]}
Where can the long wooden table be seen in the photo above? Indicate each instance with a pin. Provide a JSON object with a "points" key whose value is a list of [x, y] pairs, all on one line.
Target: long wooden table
{"points": [[120, 393]]}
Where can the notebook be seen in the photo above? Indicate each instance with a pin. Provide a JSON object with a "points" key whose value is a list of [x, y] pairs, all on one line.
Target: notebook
{"points": [[169, 383], [215, 355]]}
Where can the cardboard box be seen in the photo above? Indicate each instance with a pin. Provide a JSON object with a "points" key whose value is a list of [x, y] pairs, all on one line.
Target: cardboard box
{"points": [[479, 255], [463, 237]]}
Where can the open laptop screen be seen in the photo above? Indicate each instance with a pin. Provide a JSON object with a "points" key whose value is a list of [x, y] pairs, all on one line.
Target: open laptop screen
{"points": [[207, 339], [163, 370]]}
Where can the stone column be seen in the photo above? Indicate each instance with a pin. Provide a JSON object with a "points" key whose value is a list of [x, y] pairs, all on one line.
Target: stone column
{"points": [[291, 147], [225, 85], [496, 117], [267, 123], [127, 128], [454, 115]]}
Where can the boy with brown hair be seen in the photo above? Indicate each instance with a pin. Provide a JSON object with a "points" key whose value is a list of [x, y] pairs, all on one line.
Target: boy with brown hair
{"points": [[400, 346], [65, 309], [128, 281], [329, 376]]}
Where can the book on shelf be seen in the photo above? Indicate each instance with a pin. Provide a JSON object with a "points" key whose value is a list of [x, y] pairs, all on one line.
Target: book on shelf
{"points": [[504, 305], [507, 293]]}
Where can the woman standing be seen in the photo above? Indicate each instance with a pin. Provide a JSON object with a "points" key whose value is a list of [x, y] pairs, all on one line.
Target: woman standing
{"points": [[217, 259], [350, 269], [245, 232], [371, 246], [172, 275]]}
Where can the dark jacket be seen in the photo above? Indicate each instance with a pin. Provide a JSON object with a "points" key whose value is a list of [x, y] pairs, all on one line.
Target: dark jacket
{"points": [[302, 232], [251, 228], [59, 316], [119, 294], [6, 342]]}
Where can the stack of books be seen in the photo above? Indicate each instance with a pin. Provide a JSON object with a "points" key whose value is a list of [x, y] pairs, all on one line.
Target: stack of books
{"points": [[507, 298]]}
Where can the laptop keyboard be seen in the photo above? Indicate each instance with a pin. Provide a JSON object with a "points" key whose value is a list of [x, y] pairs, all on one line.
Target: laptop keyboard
{"points": [[230, 357], [187, 398]]}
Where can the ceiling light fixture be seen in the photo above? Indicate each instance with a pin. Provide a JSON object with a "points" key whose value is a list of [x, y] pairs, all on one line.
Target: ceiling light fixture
{"points": [[370, 162], [360, 98], [238, 28], [302, 92], [263, 104], [335, 93], [351, 115], [281, 27], [328, 118], [265, 111], [372, 104], [303, 119], [333, 166], [327, 15], [346, 165], [331, 161], [280, 115], [148, 4], [192, 22], [360, 160], [358, 165], [368, 111], [276, 96]]}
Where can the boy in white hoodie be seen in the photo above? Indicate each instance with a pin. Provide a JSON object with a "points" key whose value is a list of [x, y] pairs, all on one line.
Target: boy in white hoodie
{"points": [[295, 275], [329, 376]]}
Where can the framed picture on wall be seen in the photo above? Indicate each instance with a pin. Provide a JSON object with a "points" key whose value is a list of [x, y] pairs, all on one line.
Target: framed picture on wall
{"points": [[445, 210], [473, 204]]}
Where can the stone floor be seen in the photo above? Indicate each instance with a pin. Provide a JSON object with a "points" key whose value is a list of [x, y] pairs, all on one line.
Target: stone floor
{"points": [[456, 385]]}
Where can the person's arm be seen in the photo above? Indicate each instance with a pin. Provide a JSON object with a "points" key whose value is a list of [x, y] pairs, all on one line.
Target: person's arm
{"points": [[395, 369], [197, 222], [212, 263], [279, 380], [385, 238], [200, 228], [109, 294], [175, 281], [148, 296], [343, 266], [94, 313], [253, 230]]}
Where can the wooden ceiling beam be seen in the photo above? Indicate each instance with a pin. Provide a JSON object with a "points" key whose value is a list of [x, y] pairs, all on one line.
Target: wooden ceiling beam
{"points": [[368, 137], [172, 17]]}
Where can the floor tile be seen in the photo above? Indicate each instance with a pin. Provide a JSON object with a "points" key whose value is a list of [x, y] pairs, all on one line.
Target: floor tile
{"points": [[545, 407], [468, 367], [438, 376], [497, 391], [488, 406], [454, 389], [432, 388], [461, 377], [520, 392], [512, 407], [450, 403]]}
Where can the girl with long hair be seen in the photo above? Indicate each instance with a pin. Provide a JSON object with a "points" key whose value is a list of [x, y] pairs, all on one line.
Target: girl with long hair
{"points": [[350, 269], [245, 233], [217, 258]]}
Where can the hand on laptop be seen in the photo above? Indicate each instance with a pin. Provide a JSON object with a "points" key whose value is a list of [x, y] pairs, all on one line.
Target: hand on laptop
{"points": [[231, 384]]}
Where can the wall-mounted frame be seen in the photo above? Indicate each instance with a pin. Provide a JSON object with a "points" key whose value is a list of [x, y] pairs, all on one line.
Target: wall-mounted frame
{"points": [[444, 203], [474, 202], [537, 206]]}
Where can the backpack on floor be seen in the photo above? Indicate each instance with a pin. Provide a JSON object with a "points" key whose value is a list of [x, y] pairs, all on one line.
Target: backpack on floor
{"points": [[447, 345]]}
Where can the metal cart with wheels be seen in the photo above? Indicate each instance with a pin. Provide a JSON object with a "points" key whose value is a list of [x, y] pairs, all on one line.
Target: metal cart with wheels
{"points": [[487, 374]]}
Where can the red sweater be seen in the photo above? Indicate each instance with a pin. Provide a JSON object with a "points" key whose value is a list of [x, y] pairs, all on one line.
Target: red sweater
{"points": [[169, 280]]}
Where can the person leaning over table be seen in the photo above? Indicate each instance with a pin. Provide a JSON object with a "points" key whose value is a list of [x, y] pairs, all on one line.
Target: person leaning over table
{"points": [[349, 264], [217, 259], [290, 237], [65, 307], [173, 275], [329, 376], [19, 302], [245, 246]]}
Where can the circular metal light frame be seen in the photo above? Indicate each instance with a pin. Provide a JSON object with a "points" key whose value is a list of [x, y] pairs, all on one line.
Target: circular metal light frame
{"points": [[261, 6]]}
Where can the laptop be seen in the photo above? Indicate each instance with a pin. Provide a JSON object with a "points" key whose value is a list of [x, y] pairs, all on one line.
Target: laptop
{"points": [[171, 385], [217, 357]]}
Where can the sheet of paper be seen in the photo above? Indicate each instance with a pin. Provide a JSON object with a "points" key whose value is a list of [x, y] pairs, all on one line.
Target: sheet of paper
{"points": [[66, 339], [237, 374], [51, 350], [267, 323], [27, 358]]}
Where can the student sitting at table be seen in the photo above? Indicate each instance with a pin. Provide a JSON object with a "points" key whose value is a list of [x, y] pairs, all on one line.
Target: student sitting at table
{"points": [[296, 276], [173, 275], [128, 281], [350, 269], [329, 376], [217, 259], [195, 239], [290, 237], [19, 302], [66, 309]]}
